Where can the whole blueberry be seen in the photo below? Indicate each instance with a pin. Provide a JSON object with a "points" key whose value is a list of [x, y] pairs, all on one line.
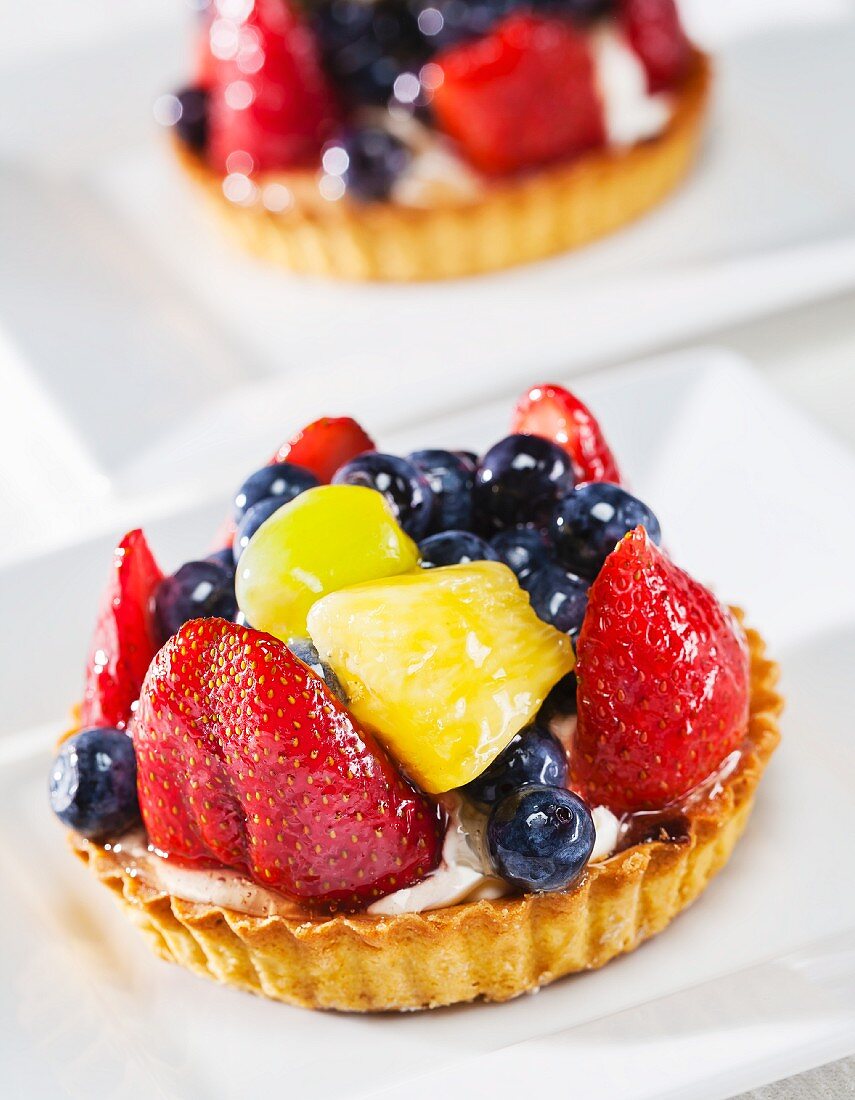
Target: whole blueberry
{"points": [[198, 590], [451, 476], [252, 520], [282, 480], [366, 47], [519, 480], [403, 486], [191, 121], [369, 160], [558, 597], [454, 547], [522, 549], [560, 702], [534, 756], [93, 783], [588, 523], [540, 838]]}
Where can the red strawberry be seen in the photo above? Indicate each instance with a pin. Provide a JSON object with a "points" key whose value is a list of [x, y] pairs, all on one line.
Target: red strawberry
{"points": [[558, 415], [271, 105], [663, 682], [655, 33], [324, 445], [246, 759], [125, 638], [206, 63], [520, 96]]}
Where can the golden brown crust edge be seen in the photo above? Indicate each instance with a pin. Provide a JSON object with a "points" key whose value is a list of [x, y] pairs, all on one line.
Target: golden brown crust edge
{"points": [[511, 223], [489, 949]]}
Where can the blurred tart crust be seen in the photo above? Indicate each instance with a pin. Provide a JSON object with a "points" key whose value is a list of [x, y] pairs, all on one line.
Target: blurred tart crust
{"points": [[492, 950], [505, 223]]}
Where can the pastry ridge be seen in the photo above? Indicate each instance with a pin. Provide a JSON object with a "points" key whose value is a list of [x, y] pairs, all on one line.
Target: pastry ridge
{"points": [[492, 950], [517, 221]]}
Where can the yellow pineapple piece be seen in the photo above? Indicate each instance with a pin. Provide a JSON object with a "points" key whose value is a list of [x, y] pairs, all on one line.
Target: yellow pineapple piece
{"points": [[445, 665]]}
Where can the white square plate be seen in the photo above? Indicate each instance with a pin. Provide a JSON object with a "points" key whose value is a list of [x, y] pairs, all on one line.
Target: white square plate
{"points": [[124, 316], [755, 981]]}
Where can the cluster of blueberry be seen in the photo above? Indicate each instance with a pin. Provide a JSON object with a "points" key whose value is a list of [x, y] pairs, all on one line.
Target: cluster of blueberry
{"points": [[519, 504], [539, 835]]}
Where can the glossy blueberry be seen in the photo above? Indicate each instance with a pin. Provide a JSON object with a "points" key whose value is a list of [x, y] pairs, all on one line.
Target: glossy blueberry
{"points": [[540, 838], [454, 547], [534, 756], [403, 486], [558, 597], [191, 124], [560, 702], [282, 480], [447, 22], [304, 650], [519, 480], [369, 161], [198, 590], [451, 476], [251, 522], [93, 783], [588, 523], [366, 47], [522, 549], [224, 557]]}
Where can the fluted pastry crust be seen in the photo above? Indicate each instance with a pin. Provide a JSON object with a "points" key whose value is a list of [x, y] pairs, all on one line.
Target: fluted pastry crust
{"points": [[509, 222], [489, 949]]}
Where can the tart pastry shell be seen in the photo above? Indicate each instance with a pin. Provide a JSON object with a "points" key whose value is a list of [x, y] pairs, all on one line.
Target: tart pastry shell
{"points": [[492, 950], [507, 223]]}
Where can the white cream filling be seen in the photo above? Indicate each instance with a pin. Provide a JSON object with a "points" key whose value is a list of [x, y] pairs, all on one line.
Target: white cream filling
{"points": [[632, 114]]}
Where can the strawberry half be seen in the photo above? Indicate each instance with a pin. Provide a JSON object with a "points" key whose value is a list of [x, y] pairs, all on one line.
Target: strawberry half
{"points": [[271, 105], [246, 759], [655, 33], [520, 96], [125, 638], [558, 415], [663, 682], [325, 445]]}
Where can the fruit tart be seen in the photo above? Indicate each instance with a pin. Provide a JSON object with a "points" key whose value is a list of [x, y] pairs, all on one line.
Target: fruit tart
{"points": [[425, 139], [418, 730]]}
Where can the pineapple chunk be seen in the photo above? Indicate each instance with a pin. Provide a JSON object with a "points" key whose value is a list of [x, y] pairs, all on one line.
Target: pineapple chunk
{"points": [[445, 665]]}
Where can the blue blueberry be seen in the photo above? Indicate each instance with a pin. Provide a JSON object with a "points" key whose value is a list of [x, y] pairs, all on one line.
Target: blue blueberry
{"points": [[252, 520], [519, 481], [534, 756], [560, 702], [540, 838], [558, 597], [191, 125], [404, 487], [198, 590], [373, 160], [588, 523], [454, 547], [93, 783], [522, 549], [224, 557], [282, 480], [451, 476], [366, 47]]}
